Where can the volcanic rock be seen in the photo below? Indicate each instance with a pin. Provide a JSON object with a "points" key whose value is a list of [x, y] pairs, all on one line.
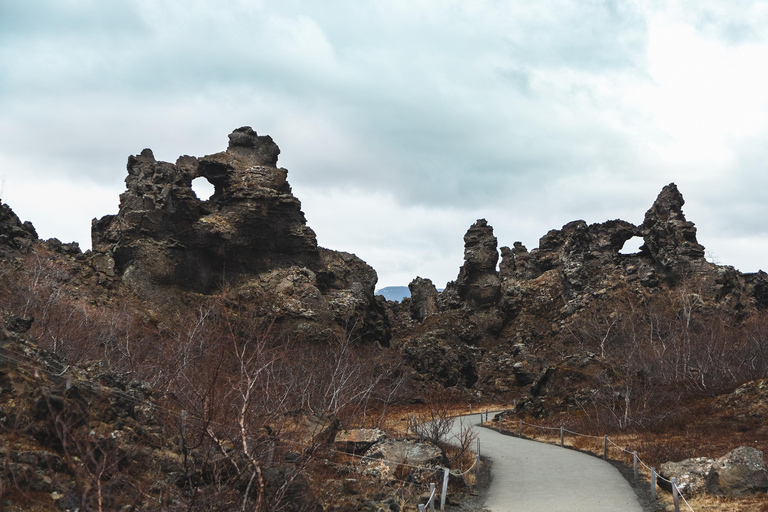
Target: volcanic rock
{"points": [[358, 440], [251, 233], [163, 234], [738, 473], [669, 238], [691, 475], [478, 282], [423, 298], [14, 234]]}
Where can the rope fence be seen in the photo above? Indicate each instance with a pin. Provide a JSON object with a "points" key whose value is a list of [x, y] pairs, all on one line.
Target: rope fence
{"points": [[676, 493]]}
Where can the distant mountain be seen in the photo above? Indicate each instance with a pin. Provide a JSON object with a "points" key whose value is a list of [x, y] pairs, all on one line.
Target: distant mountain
{"points": [[396, 293]]}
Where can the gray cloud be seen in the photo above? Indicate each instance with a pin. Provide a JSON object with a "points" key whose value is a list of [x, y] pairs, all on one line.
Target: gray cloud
{"points": [[537, 113]]}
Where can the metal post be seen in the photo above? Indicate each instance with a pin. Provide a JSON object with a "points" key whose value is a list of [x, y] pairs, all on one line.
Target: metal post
{"points": [[486, 415], [477, 467], [432, 497], [499, 423], [675, 497], [605, 446], [470, 408], [562, 436], [653, 483], [446, 472], [634, 454], [520, 431]]}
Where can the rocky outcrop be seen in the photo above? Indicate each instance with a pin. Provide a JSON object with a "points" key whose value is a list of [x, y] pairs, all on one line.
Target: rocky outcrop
{"points": [[163, 234], [423, 298], [669, 238], [478, 282], [14, 235], [739, 473], [250, 234]]}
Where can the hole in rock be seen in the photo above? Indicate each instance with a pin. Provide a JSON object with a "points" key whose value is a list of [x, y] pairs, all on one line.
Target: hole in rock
{"points": [[202, 188], [632, 246]]}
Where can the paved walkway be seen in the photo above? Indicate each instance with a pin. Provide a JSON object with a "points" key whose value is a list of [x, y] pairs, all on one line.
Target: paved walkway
{"points": [[535, 477]]}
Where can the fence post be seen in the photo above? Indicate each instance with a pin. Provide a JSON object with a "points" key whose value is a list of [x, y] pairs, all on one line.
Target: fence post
{"points": [[486, 415], [653, 483], [477, 467], [520, 431], [605, 446], [446, 472], [432, 497], [634, 454], [499, 423], [675, 496], [470, 408], [562, 435]]}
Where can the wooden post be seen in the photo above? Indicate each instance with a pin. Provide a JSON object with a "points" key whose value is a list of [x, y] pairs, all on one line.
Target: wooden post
{"points": [[432, 497], [653, 483], [520, 431], [605, 446], [470, 408], [634, 454], [675, 497], [562, 437], [499, 423], [446, 473]]}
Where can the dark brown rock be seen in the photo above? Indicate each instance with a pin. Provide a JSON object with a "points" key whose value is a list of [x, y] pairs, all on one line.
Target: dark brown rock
{"points": [[669, 238], [740, 472], [14, 234], [163, 234], [423, 298], [478, 281]]}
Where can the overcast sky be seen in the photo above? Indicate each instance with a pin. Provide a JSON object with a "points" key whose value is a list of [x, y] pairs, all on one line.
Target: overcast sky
{"points": [[401, 122]]}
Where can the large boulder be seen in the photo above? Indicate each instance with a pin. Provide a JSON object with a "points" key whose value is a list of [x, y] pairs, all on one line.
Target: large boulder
{"points": [[358, 440], [738, 473], [404, 459], [691, 475]]}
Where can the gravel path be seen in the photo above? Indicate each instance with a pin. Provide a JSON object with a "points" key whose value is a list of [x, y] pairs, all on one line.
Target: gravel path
{"points": [[535, 477]]}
